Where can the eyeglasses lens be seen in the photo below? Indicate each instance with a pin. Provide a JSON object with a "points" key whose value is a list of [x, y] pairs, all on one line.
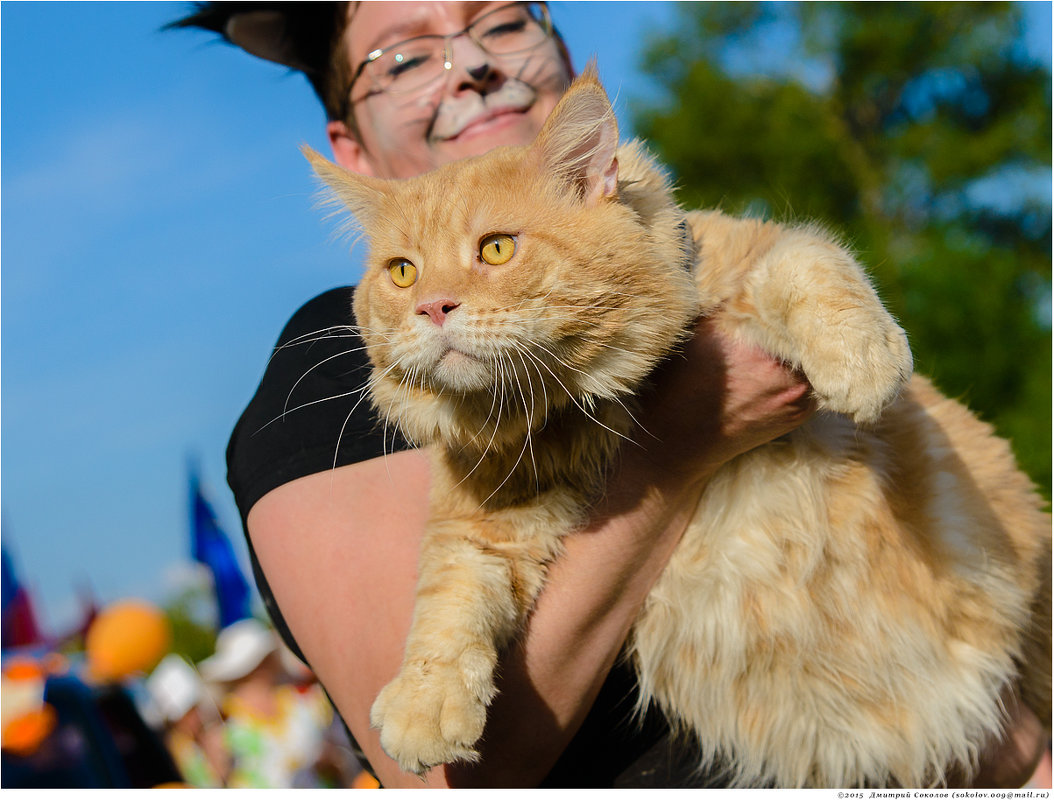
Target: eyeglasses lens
{"points": [[417, 62]]}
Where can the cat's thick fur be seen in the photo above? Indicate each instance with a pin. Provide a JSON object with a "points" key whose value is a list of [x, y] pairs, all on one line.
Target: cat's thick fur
{"points": [[850, 600]]}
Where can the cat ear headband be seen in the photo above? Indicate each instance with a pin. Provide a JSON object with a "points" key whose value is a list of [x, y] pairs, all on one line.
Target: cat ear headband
{"points": [[295, 34]]}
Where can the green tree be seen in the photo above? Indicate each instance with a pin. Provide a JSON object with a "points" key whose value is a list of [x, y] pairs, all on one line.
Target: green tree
{"points": [[920, 133]]}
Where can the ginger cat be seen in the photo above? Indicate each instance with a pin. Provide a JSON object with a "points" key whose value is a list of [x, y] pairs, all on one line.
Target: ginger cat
{"points": [[849, 601]]}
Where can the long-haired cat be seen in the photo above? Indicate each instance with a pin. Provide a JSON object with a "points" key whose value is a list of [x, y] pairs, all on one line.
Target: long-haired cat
{"points": [[850, 600]]}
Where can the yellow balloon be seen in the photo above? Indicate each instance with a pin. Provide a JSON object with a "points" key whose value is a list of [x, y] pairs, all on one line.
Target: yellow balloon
{"points": [[127, 637]]}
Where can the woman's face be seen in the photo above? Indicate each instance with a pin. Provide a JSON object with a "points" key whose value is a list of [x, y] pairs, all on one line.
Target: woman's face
{"points": [[481, 102]]}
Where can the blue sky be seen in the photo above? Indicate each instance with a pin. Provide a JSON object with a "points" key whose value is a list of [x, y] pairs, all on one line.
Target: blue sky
{"points": [[158, 228]]}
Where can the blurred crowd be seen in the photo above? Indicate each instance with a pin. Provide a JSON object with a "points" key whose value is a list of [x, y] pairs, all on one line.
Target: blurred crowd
{"points": [[128, 712], [123, 710]]}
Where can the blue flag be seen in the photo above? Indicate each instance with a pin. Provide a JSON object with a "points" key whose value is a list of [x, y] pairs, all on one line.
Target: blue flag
{"points": [[211, 547]]}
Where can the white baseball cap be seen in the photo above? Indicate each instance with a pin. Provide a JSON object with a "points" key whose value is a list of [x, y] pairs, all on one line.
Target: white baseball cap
{"points": [[174, 687], [240, 648]]}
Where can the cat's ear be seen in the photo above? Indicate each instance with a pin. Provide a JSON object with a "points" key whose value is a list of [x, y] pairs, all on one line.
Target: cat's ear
{"points": [[579, 140], [359, 193]]}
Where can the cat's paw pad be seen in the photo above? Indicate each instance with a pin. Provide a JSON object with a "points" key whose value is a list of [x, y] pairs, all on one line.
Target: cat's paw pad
{"points": [[859, 367], [428, 715]]}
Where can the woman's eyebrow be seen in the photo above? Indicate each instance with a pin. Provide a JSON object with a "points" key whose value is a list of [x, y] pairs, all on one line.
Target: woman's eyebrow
{"points": [[415, 25], [397, 32]]}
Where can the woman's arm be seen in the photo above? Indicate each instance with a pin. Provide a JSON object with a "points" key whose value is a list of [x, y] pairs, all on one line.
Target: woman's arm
{"points": [[340, 553]]}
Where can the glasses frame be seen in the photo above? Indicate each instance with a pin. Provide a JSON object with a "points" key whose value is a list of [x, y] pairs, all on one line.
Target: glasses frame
{"points": [[543, 18]]}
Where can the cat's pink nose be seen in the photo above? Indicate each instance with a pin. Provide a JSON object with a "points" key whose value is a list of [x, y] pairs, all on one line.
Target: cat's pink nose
{"points": [[438, 309]]}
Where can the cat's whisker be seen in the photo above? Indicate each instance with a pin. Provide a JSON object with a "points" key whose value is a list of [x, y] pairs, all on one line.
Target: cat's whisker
{"points": [[550, 314], [519, 457], [320, 333], [499, 381], [614, 399], [570, 395], [344, 425], [541, 381], [313, 340], [311, 369], [557, 360], [633, 418], [538, 301], [413, 382], [360, 391], [373, 381], [315, 366], [493, 400], [407, 384], [385, 424], [529, 414]]}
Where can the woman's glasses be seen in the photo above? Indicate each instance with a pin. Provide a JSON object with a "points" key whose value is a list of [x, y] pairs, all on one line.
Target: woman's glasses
{"points": [[414, 64]]}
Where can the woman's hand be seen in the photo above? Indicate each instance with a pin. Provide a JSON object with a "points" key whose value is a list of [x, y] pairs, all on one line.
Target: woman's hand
{"points": [[716, 400]]}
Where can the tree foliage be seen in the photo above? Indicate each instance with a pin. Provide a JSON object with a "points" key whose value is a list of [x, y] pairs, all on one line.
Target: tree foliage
{"points": [[192, 617], [920, 133]]}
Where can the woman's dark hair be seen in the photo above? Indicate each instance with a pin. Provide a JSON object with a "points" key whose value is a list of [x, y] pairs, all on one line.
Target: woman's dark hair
{"points": [[303, 36], [306, 36]]}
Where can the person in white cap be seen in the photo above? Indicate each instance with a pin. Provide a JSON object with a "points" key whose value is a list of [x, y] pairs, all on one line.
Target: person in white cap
{"points": [[192, 727], [271, 728], [240, 650]]}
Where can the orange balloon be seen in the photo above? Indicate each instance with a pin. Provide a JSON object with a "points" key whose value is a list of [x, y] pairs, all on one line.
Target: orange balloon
{"points": [[23, 668], [127, 637], [24, 734]]}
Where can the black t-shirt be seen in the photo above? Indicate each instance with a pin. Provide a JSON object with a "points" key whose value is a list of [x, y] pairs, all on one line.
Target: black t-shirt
{"points": [[307, 416]]}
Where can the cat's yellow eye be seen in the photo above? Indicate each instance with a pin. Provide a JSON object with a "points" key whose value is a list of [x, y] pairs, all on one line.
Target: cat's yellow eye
{"points": [[497, 248], [403, 272]]}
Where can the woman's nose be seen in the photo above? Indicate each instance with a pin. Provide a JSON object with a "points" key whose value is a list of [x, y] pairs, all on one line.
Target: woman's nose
{"points": [[478, 73], [474, 67]]}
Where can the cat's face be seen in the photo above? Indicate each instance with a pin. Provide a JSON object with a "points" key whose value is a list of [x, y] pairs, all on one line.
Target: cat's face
{"points": [[514, 280], [468, 277]]}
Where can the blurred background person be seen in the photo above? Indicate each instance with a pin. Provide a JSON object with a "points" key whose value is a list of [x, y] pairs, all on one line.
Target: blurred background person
{"points": [[193, 728], [75, 721], [272, 728]]}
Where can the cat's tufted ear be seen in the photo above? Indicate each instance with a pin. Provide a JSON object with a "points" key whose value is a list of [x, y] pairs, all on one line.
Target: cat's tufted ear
{"points": [[579, 140], [361, 194]]}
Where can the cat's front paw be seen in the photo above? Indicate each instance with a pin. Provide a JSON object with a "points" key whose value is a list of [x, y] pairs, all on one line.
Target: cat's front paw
{"points": [[430, 715], [860, 365]]}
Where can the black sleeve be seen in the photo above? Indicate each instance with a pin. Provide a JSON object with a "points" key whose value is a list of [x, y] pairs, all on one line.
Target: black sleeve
{"points": [[308, 415], [310, 412]]}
